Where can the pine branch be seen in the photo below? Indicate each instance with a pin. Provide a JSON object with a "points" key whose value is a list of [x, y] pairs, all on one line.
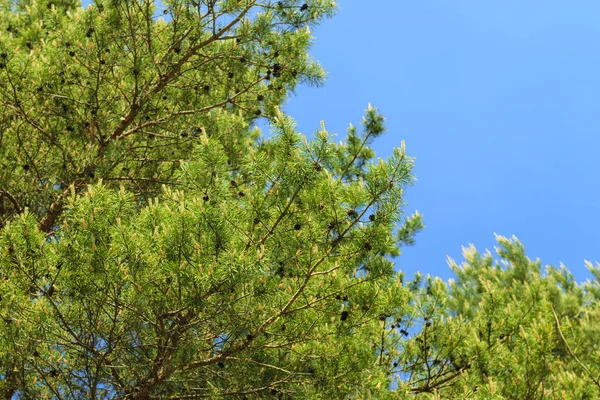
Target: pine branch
{"points": [[587, 371]]}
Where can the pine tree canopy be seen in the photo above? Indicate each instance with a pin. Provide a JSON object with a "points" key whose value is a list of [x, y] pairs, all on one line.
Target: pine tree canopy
{"points": [[155, 243]]}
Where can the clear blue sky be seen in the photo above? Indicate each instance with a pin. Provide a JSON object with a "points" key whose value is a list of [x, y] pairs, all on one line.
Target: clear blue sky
{"points": [[499, 103]]}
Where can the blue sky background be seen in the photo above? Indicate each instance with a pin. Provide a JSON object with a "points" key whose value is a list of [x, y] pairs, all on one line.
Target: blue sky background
{"points": [[499, 103]]}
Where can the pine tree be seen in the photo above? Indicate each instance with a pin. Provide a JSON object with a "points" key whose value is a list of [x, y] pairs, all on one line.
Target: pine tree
{"points": [[154, 242], [505, 329]]}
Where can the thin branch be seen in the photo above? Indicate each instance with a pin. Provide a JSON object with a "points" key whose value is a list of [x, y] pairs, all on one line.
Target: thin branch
{"points": [[12, 199], [588, 372]]}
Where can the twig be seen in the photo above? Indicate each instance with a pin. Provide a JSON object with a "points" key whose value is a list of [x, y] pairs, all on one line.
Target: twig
{"points": [[571, 351]]}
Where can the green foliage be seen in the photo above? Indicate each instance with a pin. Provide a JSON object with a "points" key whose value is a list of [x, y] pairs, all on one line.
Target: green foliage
{"points": [[206, 284], [154, 244], [116, 92], [503, 330]]}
